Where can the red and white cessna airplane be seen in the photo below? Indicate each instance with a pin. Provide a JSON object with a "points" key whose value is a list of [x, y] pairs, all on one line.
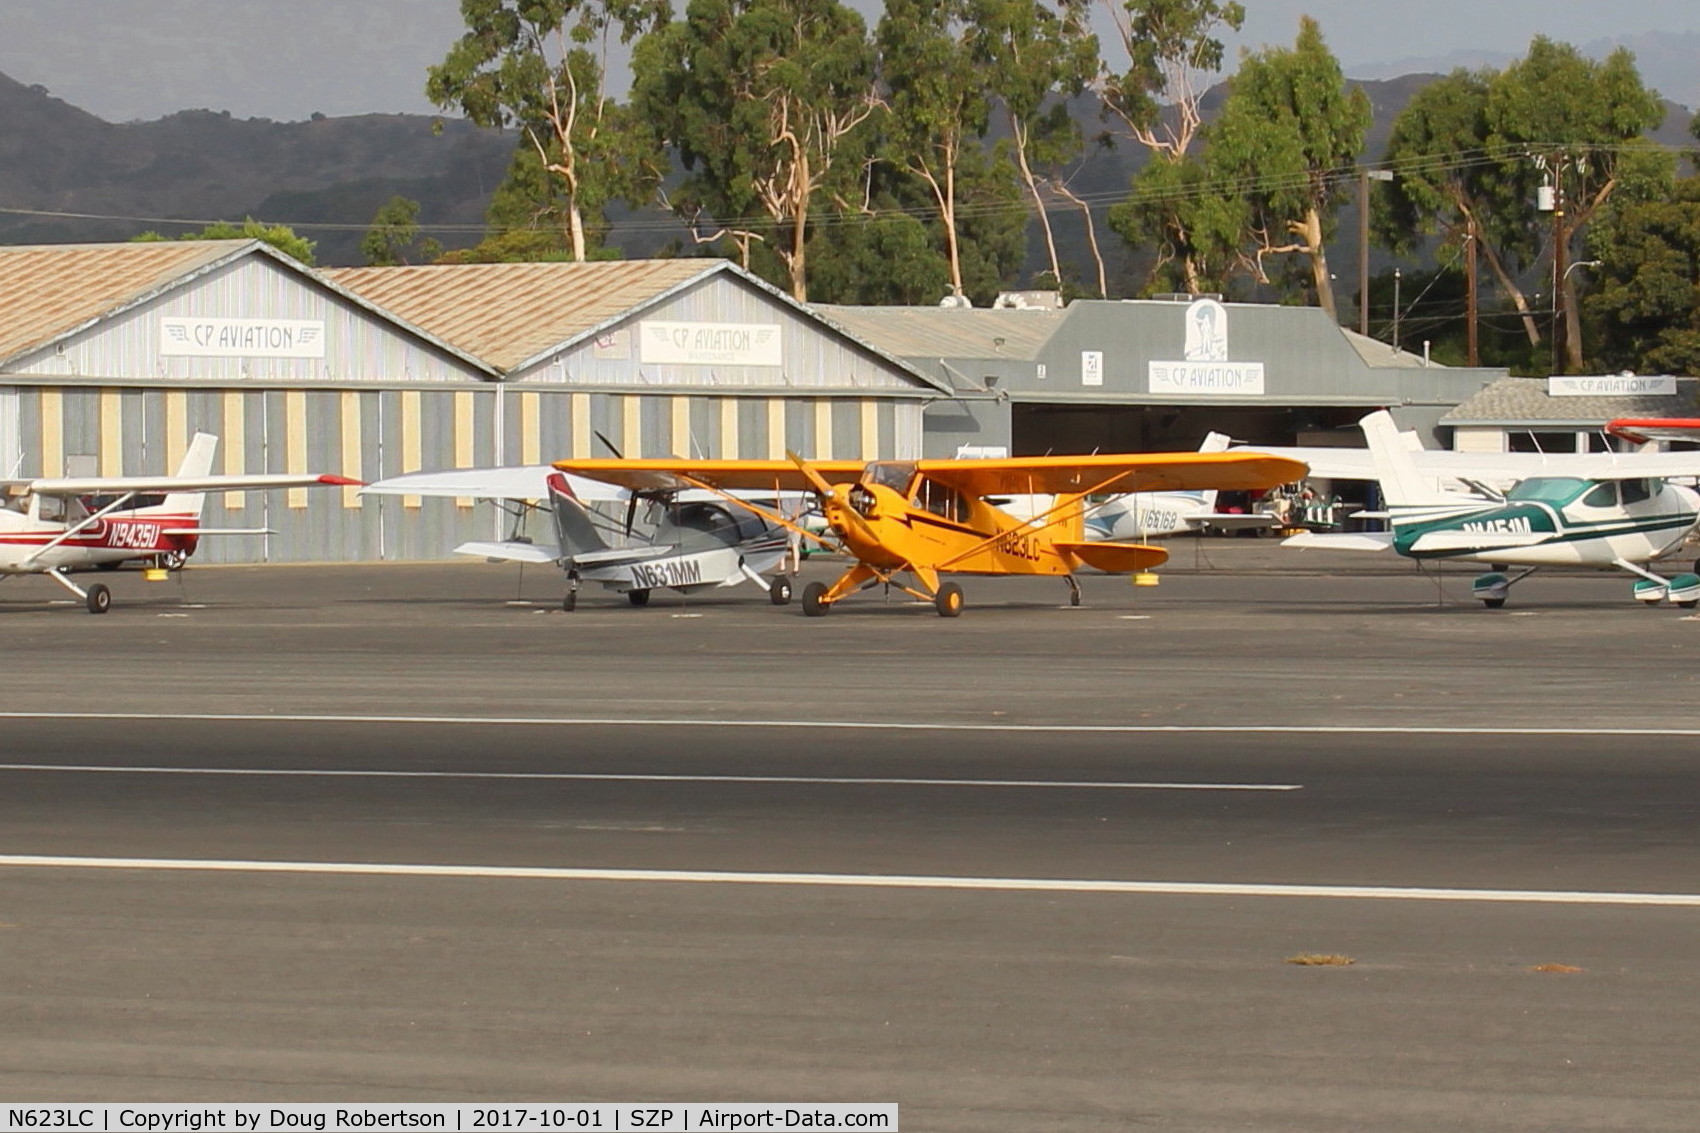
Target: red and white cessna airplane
{"points": [[55, 526]]}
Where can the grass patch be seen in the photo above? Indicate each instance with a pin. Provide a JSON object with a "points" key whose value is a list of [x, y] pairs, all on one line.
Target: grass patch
{"points": [[1320, 960]]}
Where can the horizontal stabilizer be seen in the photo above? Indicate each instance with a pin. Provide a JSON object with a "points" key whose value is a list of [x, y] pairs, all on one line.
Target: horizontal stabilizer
{"points": [[618, 556], [1232, 520], [510, 551], [1342, 540], [1116, 558], [219, 531]]}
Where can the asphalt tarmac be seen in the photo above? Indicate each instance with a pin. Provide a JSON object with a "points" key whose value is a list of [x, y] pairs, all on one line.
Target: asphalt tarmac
{"points": [[410, 832]]}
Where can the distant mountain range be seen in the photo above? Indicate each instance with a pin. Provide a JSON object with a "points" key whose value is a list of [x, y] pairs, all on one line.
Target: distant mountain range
{"points": [[57, 162], [200, 166], [1666, 62]]}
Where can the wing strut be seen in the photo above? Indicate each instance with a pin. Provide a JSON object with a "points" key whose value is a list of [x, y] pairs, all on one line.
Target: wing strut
{"points": [[82, 525], [1069, 500]]}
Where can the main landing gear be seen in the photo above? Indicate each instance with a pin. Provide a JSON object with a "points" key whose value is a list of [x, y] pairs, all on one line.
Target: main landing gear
{"points": [[97, 597], [818, 597], [1493, 588]]}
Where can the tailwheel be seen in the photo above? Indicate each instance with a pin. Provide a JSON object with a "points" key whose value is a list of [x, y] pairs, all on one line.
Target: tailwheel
{"points": [[569, 602], [638, 597], [172, 560], [99, 599], [814, 605], [948, 601], [779, 592]]}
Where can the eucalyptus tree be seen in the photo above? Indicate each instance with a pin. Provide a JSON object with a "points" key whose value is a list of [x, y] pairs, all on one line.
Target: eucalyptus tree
{"points": [[1563, 120], [1173, 50], [540, 66], [1449, 184], [937, 94], [766, 102], [1289, 131], [394, 235], [1644, 308], [1036, 57]]}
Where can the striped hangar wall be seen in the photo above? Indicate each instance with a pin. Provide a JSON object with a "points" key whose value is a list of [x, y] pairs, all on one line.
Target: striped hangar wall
{"points": [[113, 356]]}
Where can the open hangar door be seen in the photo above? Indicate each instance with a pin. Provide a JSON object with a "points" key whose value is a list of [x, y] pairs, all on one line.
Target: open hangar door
{"points": [[1067, 430]]}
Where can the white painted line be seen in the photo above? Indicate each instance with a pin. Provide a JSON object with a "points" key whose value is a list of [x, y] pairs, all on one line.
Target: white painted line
{"points": [[861, 881], [852, 725], [572, 776]]}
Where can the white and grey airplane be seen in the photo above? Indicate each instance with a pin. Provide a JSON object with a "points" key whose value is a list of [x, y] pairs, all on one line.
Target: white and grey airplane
{"points": [[1581, 510], [630, 543]]}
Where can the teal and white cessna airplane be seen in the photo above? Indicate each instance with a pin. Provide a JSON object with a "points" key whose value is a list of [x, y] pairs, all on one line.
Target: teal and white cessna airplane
{"points": [[1611, 512]]}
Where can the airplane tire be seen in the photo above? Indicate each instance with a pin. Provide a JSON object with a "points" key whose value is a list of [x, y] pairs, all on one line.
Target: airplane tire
{"points": [[638, 597], [813, 607], [780, 592], [173, 560], [1493, 603], [99, 599], [570, 601], [948, 601]]}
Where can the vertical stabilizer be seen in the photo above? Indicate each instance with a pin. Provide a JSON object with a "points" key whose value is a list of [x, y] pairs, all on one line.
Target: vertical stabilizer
{"points": [[197, 463], [1402, 482], [573, 525], [1213, 442]]}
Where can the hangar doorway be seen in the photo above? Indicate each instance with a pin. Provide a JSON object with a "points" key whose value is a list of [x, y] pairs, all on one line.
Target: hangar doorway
{"points": [[1067, 430]]}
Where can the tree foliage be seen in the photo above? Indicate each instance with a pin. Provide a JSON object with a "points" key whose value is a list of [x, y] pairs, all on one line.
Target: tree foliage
{"points": [[540, 66], [1036, 57], [937, 95], [279, 236], [766, 103], [394, 235], [1643, 310], [1289, 130]]}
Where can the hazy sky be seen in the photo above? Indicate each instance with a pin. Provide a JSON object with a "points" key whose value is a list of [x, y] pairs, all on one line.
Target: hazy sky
{"points": [[125, 59]]}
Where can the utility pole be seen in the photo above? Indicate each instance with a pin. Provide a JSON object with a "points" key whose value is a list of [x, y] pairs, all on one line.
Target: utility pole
{"points": [[1558, 270], [1472, 351], [1364, 176]]}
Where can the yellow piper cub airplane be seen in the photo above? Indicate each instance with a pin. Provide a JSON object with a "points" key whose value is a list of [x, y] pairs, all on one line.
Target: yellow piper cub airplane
{"points": [[926, 518]]}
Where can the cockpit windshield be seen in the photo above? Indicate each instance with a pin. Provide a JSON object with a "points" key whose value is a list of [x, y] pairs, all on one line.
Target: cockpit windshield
{"points": [[1554, 490], [893, 474]]}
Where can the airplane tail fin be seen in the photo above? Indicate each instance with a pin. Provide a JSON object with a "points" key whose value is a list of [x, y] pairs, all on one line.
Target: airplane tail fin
{"points": [[197, 463], [1213, 442], [573, 524], [1402, 482]]}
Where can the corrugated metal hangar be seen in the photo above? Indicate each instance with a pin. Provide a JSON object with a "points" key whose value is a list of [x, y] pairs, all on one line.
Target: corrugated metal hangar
{"points": [[112, 356], [1154, 375]]}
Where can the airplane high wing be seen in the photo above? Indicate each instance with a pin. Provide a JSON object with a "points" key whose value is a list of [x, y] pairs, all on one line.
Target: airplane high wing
{"points": [[51, 525], [1644, 429], [632, 538], [930, 517], [1496, 471]]}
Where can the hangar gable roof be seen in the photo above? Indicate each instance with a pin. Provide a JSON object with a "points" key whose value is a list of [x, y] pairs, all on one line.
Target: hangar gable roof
{"points": [[1525, 401], [948, 332], [50, 290], [508, 314]]}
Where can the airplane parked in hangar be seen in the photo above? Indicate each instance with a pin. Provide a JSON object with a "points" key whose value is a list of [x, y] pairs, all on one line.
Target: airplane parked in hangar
{"points": [[686, 541], [54, 525], [1579, 511], [927, 518], [1139, 516]]}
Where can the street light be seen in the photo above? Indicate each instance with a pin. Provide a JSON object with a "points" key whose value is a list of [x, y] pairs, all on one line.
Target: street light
{"points": [[1557, 299]]}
